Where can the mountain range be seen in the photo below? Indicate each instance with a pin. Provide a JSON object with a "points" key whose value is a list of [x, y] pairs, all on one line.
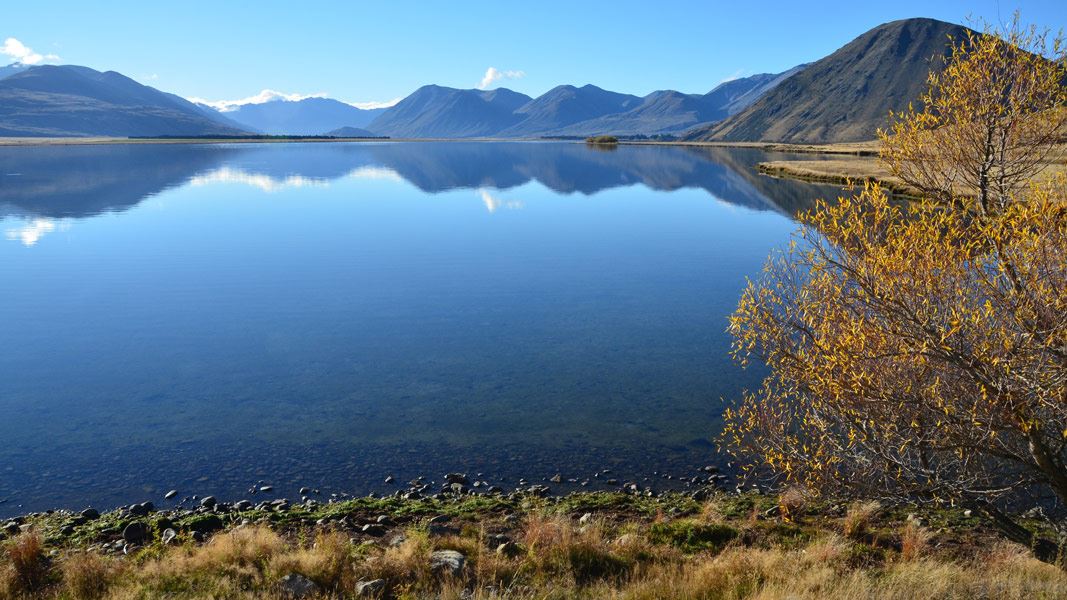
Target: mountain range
{"points": [[69, 100], [310, 116], [845, 96]]}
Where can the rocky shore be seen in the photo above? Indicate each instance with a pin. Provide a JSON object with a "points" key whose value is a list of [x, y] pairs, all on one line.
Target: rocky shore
{"points": [[129, 527], [457, 536]]}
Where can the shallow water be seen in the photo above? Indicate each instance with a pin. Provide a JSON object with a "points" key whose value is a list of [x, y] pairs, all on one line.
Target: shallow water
{"points": [[203, 317]]}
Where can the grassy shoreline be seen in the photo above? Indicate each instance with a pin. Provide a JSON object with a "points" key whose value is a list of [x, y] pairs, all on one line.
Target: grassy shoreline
{"points": [[706, 544]]}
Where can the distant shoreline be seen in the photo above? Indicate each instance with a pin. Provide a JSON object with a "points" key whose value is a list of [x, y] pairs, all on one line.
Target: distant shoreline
{"points": [[856, 148]]}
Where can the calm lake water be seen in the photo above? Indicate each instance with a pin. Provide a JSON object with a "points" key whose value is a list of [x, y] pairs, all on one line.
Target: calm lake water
{"points": [[204, 317]]}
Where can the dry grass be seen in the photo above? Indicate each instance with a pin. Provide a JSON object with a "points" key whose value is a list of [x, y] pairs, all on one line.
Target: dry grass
{"points": [[858, 518], [25, 570], [857, 168], [699, 556]]}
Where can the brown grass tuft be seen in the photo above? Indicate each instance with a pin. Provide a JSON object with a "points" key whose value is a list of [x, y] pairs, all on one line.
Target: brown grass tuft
{"points": [[27, 566], [858, 518]]}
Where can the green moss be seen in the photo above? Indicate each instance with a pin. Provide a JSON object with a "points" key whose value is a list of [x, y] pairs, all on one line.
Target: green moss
{"points": [[692, 536]]}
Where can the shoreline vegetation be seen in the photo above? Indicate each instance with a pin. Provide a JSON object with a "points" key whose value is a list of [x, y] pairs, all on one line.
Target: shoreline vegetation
{"points": [[703, 544]]}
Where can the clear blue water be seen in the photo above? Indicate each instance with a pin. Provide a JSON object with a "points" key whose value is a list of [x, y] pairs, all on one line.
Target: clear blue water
{"points": [[203, 317]]}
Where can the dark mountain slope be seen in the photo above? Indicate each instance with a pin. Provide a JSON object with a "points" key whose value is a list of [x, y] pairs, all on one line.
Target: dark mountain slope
{"points": [[669, 112], [846, 96], [565, 105], [78, 101]]}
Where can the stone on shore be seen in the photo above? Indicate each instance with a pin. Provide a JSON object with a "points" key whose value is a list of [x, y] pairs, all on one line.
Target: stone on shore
{"points": [[295, 585], [447, 562]]}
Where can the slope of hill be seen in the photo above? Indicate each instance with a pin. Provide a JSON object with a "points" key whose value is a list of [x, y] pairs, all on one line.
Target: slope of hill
{"points": [[78, 101], [11, 69], [310, 116], [846, 96], [669, 112], [435, 111], [352, 132], [565, 105]]}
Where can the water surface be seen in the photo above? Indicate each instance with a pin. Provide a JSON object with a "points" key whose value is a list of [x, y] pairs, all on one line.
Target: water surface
{"points": [[203, 317]]}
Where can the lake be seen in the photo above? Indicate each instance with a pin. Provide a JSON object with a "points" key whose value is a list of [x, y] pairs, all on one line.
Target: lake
{"points": [[208, 317]]}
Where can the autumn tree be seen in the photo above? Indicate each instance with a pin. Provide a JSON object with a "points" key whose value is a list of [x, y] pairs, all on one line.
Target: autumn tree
{"points": [[918, 351], [989, 121]]}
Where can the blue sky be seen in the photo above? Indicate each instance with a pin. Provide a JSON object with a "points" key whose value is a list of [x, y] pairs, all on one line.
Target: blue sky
{"points": [[360, 52]]}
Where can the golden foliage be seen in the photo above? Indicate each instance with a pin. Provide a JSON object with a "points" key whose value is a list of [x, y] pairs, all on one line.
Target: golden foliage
{"points": [[988, 121], [919, 351]]}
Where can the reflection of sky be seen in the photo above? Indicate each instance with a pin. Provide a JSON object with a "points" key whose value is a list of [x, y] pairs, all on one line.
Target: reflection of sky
{"points": [[31, 231], [494, 203], [271, 183], [251, 310]]}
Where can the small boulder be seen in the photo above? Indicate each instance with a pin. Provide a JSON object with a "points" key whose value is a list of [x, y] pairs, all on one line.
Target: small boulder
{"points": [[374, 529], [208, 502], [447, 562], [168, 536], [370, 589], [135, 533], [91, 514], [509, 549], [295, 585], [170, 494]]}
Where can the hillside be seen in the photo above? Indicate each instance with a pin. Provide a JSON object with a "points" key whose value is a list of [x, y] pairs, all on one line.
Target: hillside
{"points": [[846, 96], [11, 69], [352, 132], [565, 105], [310, 116], [69, 101], [670, 112], [434, 111]]}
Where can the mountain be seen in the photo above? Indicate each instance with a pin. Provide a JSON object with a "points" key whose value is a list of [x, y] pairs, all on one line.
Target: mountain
{"points": [[350, 132], [669, 112], [738, 94], [434, 111], [565, 105], [12, 69], [310, 116], [70, 100], [846, 96]]}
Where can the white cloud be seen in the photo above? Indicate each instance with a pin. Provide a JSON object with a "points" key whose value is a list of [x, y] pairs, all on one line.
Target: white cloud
{"points": [[24, 54], [493, 74], [372, 105], [260, 98]]}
